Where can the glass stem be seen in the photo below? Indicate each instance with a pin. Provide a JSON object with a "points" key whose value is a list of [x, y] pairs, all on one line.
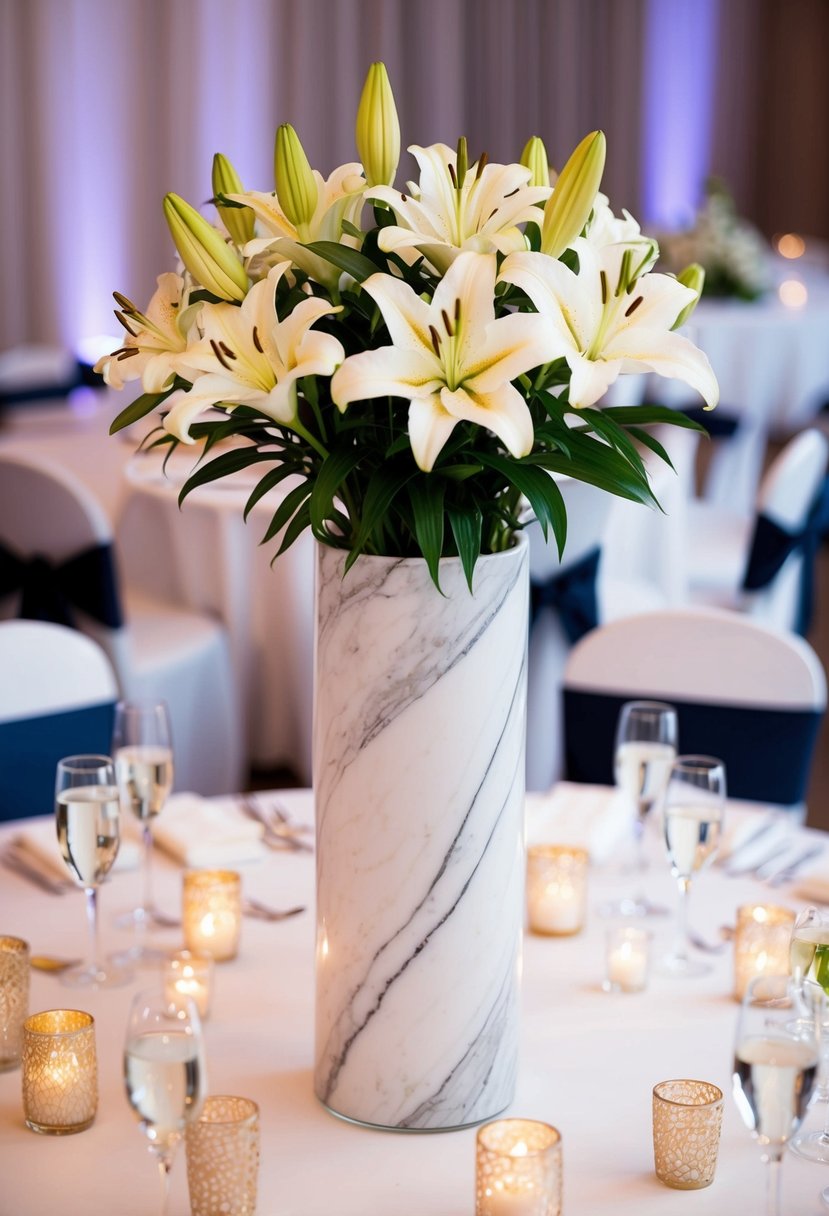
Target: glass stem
{"points": [[641, 861], [681, 939], [147, 871], [91, 894], [773, 1174], [165, 1164]]}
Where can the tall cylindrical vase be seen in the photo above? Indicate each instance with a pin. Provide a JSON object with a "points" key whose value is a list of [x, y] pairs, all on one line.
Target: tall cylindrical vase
{"points": [[419, 784]]}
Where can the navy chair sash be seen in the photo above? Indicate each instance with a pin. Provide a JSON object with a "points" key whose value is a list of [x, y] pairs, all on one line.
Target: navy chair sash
{"points": [[771, 545], [572, 594], [767, 752], [52, 591], [31, 747]]}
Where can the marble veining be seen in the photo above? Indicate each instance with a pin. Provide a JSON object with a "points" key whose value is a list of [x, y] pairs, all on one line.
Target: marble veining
{"points": [[419, 732]]}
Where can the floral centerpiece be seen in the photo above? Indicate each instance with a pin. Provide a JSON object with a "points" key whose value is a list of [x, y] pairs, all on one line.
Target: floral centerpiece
{"points": [[733, 253], [419, 364], [419, 373]]}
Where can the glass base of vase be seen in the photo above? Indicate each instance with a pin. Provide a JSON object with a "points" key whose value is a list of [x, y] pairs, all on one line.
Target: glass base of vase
{"points": [[417, 1131]]}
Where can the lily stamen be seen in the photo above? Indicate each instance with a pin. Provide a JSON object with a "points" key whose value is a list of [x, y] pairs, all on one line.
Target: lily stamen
{"points": [[218, 353], [481, 166], [447, 324], [435, 340], [256, 342], [632, 307], [603, 281], [231, 354]]}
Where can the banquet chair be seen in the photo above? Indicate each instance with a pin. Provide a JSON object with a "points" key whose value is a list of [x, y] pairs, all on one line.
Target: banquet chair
{"points": [[762, 564], [57, 698], [57, 563], [748, 693]]}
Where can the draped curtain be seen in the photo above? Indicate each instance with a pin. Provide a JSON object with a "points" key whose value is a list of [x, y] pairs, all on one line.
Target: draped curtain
{"points": [[108, 104]]}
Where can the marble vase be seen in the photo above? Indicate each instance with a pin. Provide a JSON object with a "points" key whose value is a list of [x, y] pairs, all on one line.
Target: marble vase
{"points": [[419, 727]]}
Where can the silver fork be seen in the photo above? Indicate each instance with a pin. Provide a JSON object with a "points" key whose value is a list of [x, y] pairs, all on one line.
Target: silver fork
{"points": [[280, 833]]}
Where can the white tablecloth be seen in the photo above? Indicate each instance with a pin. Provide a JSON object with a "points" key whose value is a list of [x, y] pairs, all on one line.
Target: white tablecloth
{"points": [[589, 1061]]}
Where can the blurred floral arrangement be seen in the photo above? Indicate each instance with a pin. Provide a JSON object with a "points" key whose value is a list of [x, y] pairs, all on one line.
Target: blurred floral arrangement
{"points": [[418, 362], [733, 253]]}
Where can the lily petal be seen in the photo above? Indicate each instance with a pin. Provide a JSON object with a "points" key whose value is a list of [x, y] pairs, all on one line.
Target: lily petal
{"points": [[502, 411], [429, 428]]}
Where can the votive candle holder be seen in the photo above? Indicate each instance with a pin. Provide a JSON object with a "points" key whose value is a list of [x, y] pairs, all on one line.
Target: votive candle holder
{"points": [[687, 1119], [14, 999], [189, 975], [518, 1169], [761, 943], [556, 889], [627, 959], [60, 1071], [212, 913], [223, 1157]]}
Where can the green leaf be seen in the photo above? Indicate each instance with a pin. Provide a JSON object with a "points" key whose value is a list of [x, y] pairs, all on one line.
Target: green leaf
{"points": [[426, 495], [383, 487], [467, 526], [332, 473], [459, 472], [539, 489], [290, 503], [646, 415], [139, 408], [345, 258], [607, 471], [613, 433], [222, 466], [271, 479], [650, 441], [294, 529]]}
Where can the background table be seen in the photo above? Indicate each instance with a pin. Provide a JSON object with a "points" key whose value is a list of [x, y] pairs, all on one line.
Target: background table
{"points": [[589, 1060]]}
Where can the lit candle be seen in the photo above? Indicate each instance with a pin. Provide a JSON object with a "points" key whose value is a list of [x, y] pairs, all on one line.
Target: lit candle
{"points": [[189, 975], [761, 943], [556, 889], [212, 912], [518, 1169], [627, 960], [60, 1071]]}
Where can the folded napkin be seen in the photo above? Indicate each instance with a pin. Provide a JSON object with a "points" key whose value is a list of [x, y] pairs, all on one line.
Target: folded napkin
{"points": [[40, 841], [201, 832], [593, 817]]}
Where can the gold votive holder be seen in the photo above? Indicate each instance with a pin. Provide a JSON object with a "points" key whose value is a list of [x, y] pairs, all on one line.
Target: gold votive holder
{"points": [[556, 889], [60, 1071], [761, 943], [212, 912], [223, 1157], [189, 975], [627, 959], [518, 1169], [687, 1118], [14, 999]]}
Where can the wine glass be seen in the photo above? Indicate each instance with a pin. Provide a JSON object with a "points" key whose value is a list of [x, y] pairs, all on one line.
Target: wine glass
{"points": [[776, 1059], [693, 815], [646, 743], [164, 1073], [87, 817], [809, 963], [142, 747]]}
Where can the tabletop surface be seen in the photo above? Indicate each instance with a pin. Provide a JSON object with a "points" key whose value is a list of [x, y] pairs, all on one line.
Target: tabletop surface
{"points": [[589, 1060]]}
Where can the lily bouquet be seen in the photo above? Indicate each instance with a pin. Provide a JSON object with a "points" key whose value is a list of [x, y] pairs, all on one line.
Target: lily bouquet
{"points": [[415, 364]]}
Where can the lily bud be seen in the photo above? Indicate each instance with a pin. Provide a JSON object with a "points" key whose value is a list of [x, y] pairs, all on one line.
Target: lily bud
{"points": [[568, 207], [692, 276], [237, 220], [296, 188], [378, 128], [534, 158], [205, 254]]}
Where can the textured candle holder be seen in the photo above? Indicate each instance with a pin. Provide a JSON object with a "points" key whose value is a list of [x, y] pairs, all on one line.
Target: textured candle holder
{"points": [[687, 1118], [60, 1071], [14, 999], [189, 975], [627, 959], [223, 1157], [556, 889], [761, 943], [212, 912], [518, 1169]]}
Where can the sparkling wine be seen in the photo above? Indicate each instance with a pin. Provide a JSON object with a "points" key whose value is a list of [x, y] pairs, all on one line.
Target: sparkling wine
{"points": [[773, 1081], [641, 770], [164, 1078], [809, 955], [145, 777], [692, 834], [88, 830]]}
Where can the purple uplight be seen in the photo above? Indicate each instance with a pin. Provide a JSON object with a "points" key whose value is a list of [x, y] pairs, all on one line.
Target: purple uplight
{"points": [[680, 60]]}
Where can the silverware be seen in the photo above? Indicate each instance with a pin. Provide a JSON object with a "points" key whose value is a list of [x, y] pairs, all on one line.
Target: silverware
{"points": [[15, 859], [756, 870], [52, 964], [252, 907], [727, 861], [789, 871], [279, 832]]}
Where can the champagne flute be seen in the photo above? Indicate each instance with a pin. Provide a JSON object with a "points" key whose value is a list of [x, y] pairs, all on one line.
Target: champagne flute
{"points": [[87, 818], [164, 1073], [776, 1060], [143, 753], [646, 744], [693, 815], [809, 964]]}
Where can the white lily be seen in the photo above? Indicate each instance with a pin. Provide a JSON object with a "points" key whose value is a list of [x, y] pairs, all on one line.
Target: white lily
{"points": [[451, 358], [444, 215], [605, 228], [339, 199], [611, 317], [154, 338], [247, 356]]}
